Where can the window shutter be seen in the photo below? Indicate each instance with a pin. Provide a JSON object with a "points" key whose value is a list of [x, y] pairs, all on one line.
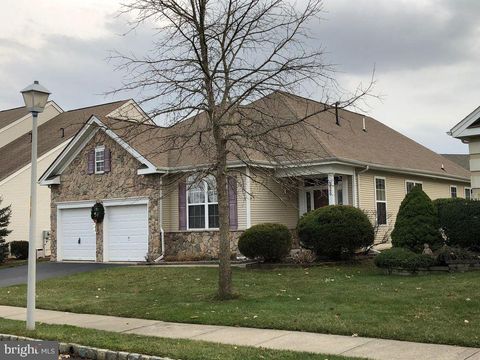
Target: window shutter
{"points": [[182, 205], [232, 203], [108, 160], [91, 162]]}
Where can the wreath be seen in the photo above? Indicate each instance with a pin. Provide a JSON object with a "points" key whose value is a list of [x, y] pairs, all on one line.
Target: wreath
{"points": [[97, 213]]}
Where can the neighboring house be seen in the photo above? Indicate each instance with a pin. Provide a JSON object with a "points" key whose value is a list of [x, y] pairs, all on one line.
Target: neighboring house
{"points": [[56, 129], [468, 131], [154, 206]]}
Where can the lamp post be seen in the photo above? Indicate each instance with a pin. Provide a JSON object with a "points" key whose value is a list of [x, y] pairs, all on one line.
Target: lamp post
{"points": [[35, 97]]}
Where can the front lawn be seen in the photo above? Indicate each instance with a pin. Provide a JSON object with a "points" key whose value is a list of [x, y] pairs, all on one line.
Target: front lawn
{"points": [[346, 300], [176, 349]]}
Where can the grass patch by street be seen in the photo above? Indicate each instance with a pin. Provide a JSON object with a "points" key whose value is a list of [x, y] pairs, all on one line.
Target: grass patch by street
{"points": [[345, 300], [176, 349]]}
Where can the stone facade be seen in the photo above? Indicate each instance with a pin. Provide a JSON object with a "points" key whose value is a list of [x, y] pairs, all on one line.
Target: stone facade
{"points": [[197, 244], [120, 183]]}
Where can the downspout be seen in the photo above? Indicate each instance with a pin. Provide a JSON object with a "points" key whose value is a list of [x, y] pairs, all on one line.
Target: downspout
{"points": [[357, 183], [160, 221]]}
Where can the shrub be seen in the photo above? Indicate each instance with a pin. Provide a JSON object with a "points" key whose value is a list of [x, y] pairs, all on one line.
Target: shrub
{"points": [[402, 258], [448, 255], [5, 214], [19, 249], [271, 242], [416, 223], [303, 256], [459, 220], [335, 231]]}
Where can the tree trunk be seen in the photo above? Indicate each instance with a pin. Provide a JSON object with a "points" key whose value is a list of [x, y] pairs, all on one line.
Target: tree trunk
{"points": [[225, 270]]}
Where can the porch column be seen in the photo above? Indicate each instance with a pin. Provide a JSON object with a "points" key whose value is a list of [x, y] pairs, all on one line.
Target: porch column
{"points": [[331, 189]]}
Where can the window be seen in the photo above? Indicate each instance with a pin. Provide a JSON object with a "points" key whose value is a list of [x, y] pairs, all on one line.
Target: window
{"points": [[381, 201], [453, 191], [202, 204], [468, 193], [409, 185], [99, 160]]}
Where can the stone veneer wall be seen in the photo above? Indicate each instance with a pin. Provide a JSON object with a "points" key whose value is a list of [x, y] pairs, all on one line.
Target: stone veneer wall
{"points": [[121, 182], [194, 244]]}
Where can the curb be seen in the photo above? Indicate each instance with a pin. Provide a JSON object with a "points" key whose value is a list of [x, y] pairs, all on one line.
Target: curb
{"points": [[87, 352]]}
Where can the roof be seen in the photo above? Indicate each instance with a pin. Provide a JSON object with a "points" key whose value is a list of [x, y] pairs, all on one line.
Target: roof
{"points": [[17, 153], [461, 159], [11, 115], [318, 139]]}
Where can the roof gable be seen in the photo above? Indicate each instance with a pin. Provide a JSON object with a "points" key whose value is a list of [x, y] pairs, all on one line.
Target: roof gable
{"points": [[469, 126], [79, 141]]}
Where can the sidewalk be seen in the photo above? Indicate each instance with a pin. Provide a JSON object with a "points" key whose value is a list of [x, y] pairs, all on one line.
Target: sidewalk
{"points": [[273, 339]]}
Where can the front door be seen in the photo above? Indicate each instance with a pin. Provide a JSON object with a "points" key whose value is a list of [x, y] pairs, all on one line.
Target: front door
{"points": [[320, 198]]}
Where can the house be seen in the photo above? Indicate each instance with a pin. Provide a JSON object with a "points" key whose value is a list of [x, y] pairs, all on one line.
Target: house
{"points": [[56, 128], [155, 205], [468, 131]]}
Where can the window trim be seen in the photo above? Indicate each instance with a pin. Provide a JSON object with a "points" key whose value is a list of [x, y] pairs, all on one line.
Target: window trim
{"points": [[414, 184], [465, 192], [99, 149], [456, 191], [381, 201], [206, 203]]}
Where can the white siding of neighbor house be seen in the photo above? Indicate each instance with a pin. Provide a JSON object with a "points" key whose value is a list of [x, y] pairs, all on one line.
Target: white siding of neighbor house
{"points": [[19, 128], [15, 191]]}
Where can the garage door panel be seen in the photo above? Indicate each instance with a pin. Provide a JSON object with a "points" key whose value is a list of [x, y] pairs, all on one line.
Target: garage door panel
{"points": [[77, 235], [127, 232]]}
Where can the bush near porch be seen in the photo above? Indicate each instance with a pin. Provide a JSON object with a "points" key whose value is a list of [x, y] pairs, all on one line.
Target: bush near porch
{"points": [[335, 231], [269, 242]]}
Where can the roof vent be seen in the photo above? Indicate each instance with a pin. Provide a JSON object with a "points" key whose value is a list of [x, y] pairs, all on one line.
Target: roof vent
{"points": [[443, 167], [364, 126], [62, 132], [30, 133]]}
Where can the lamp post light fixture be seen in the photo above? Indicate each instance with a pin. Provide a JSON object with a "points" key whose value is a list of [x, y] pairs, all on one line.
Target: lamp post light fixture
{"points": [[35, 97]]}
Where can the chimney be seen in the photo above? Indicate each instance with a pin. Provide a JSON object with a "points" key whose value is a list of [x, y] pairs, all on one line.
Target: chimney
{"points": [[336, 114]]}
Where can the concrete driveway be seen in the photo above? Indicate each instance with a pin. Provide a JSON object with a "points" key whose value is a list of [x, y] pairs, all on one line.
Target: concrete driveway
{"points": [[46, 270]]}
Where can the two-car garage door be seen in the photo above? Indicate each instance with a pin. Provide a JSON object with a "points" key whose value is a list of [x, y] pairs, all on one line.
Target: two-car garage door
{"points": [[125, 233]]}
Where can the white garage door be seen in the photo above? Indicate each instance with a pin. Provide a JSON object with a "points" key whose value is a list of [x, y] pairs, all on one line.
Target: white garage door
{"points": [[77, 235], [127, 231]]}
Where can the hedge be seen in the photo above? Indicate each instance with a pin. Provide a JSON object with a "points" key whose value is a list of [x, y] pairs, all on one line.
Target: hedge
{"points": [[403, 259], [459, 220]]}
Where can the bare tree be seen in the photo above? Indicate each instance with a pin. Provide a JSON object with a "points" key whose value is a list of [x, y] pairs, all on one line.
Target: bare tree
{"points": [[210, 78]]}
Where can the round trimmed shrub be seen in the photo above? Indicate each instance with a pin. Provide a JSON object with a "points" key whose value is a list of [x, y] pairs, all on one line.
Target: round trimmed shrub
{"points": [[271, 242], [417, 223], [335, 231], [403, 259]]}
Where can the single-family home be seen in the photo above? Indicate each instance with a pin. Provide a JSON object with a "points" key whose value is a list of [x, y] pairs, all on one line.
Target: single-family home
{"points": [[55, 129], [154, 205]]}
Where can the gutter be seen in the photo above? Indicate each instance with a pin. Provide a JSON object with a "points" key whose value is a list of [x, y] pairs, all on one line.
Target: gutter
{"points": [[160, 221]]}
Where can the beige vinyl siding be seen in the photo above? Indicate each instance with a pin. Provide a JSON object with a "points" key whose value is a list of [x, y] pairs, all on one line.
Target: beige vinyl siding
{"points": [[396, 190], [271, 203], [19, 128], [15, 191], [170, 204]]}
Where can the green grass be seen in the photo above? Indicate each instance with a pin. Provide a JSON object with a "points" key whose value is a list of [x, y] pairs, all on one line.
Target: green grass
{"points": [[176, 349], [340, 300]]}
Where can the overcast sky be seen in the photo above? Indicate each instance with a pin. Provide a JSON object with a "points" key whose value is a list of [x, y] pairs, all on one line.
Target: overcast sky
{"points": [[426, 55]]}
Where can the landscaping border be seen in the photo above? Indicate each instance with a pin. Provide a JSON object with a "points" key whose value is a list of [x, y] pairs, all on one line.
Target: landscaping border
{"points": [[87, 352]]}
